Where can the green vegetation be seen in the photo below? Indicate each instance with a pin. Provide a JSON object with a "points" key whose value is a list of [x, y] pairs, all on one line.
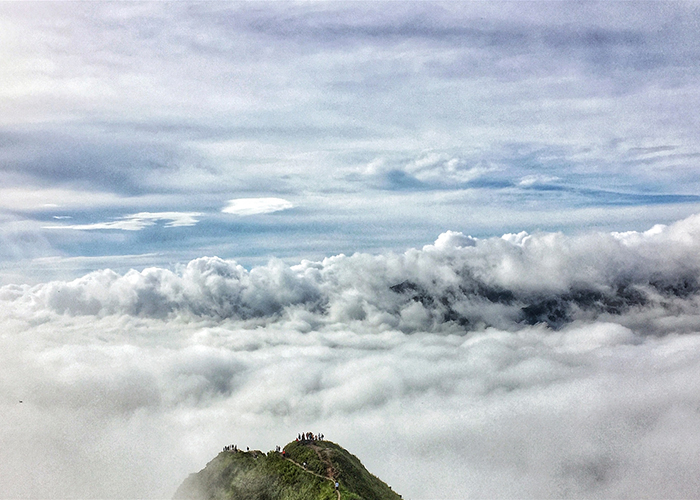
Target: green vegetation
{"points": [[253, 475]]}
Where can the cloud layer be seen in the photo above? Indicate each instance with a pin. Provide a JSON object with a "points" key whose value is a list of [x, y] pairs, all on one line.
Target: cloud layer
{"points": [[458, 283], [531, 365]]}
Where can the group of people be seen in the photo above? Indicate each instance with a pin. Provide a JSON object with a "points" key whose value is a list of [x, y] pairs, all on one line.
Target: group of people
{"points": [[309, 436], [233, 447], [302, 436]]}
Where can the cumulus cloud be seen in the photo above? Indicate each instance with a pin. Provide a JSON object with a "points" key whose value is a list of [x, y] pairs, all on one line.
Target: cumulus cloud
{"points": [[532, 365], [459, 283], [136, 222], [255, 206], [452, 239]]}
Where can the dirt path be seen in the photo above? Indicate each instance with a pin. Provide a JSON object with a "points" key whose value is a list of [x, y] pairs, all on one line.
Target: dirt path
{"points": [[327, 478], [330, 471]]}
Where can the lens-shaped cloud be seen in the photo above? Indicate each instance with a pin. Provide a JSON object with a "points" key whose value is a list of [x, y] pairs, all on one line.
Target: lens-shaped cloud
{"points": [[255, 206]]}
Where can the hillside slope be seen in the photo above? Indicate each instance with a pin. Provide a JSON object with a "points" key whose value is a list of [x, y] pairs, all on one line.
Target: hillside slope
{"points": [[304, 470]]}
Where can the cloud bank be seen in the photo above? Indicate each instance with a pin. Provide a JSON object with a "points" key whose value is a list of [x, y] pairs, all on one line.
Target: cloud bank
{"points": [[531, 365], [458, 283]]}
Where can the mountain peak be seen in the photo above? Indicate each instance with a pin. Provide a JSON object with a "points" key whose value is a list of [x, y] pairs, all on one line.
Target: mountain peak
{"points": [[308, 468]]}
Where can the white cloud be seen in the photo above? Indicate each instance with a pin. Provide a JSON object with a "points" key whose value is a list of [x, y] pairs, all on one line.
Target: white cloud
{"points": [[430, 169], [255, 206], [452, 239], [136, 222], [442, 169], [418, 363], [592, 410], [531, 180], [458, 282]]}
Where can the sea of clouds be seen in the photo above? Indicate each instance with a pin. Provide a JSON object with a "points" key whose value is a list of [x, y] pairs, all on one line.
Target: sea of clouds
{"points": [[530, 366]]}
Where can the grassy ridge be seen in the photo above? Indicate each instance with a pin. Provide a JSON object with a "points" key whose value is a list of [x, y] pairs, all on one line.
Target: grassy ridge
{"points": [[253, 475]]}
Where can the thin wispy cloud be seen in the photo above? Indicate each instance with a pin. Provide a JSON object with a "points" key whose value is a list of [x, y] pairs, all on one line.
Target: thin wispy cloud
{"points": [[136, 222]]}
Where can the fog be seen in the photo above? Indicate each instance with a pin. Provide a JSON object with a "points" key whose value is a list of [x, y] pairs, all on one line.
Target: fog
{"points": [[529, 365]]}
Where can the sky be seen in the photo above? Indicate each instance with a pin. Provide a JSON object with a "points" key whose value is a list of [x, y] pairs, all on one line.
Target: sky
{"points": [[132, 133], [459, 239]]}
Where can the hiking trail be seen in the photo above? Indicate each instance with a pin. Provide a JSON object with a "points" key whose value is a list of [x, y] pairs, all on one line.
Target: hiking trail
{"points": [[329, 468]]}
